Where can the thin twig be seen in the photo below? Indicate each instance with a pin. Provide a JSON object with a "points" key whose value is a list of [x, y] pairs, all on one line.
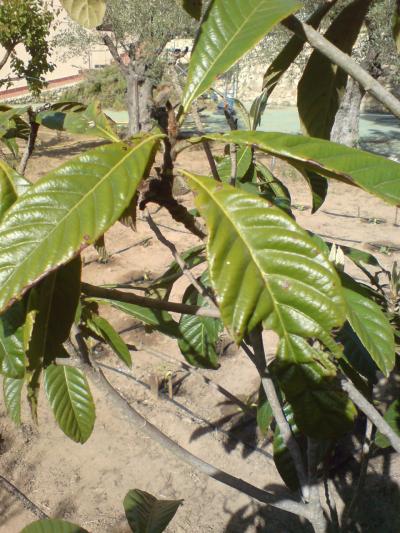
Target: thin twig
{"points": [[205, 143], [26, 502], [344, 61], [33, 133], [319, 521], [330, 501], [273, 399], [233, 124], [91, 291], [139, 422], [365, 457], [183, 266], [370, 412]]}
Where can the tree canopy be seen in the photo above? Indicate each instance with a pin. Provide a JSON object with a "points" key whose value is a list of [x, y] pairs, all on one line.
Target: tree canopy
{"points": [[26, 22]]}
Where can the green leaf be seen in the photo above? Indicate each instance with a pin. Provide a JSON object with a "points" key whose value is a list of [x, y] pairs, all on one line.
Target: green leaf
{"points": [[392, 417], [373, 173], [12, 389], [319, 102], [90, 121], [53, 526], [146, 514], [199, 334], [282, 457], [71, 401], [7, 116], [265, 268], [372, 327], [271, 184], [12, 346], [12, 185], [68, 210], [230, 28], [318, 186], [193, 7], [87, 13], [264, 412], [308, 378], [356, 353], [112, 338], [65, 296]]}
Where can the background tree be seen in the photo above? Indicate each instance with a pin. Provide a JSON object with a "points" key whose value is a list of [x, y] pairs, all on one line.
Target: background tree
{"points": [[26, 22], [136, 34]]}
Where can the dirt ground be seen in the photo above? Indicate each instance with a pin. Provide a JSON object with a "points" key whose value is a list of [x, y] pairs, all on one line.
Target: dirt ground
{"points": [[86, 484]]}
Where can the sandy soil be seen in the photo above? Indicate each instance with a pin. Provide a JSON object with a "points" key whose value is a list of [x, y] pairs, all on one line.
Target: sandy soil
{"points": [[86, 484]]}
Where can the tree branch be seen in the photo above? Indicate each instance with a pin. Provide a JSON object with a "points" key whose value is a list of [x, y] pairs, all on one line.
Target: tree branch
{"points": [[91, 291], [34, 128], [206, 144], [26, 502], [183, 266], [6, 57], [370, 412], [154, 433], [114, 52], [269, 387], [344, 61]]}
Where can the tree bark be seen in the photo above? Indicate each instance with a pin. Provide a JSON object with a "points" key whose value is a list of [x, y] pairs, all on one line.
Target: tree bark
{"points": [[132, 100], [346, 129], [145, 104]]}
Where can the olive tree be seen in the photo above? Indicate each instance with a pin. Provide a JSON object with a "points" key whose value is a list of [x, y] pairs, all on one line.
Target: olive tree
{"points": [[136, 34], [337, 336]]}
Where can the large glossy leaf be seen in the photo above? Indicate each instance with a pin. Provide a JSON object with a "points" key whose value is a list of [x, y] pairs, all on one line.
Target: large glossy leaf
{"points": [[12, 185], [308, 379], [112, 338], [88, 13], [12, 345], [53, 526], [372, 328], [146, 514], [319, 102], [282, 63], [265, 268], [373, 173], [71, 401], [90, 121], [230, 28], [392, 417], [199, 334], [12, 397], [68, 210]]}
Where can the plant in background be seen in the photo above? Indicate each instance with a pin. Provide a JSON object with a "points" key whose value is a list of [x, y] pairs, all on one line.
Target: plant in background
{"points": [[27, 23], [262, 270]]}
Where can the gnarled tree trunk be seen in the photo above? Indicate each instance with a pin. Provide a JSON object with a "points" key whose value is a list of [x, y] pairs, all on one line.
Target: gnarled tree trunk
{"points": [[347, 123]]}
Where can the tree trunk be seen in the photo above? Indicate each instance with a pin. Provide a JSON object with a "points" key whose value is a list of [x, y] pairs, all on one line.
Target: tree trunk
{"points": [[347, 123], [139, 102], [132, 98]]}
